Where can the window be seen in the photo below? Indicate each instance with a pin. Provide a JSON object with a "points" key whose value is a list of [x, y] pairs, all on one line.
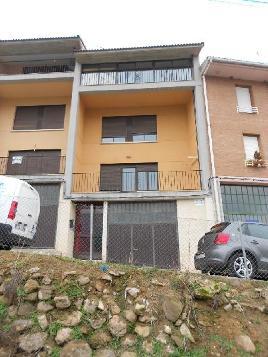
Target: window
{"points": [[244, 104], [256, 230], [39, 117], [129, 178], [251, 144], [129, 129]]}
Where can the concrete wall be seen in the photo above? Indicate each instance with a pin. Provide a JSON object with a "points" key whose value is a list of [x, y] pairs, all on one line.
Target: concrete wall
{"points": [[228, 126], [65, 235], [30, 140], [195, 217]]}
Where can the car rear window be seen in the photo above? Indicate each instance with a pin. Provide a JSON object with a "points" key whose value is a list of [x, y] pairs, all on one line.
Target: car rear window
{"points": [[219, 227], [256, 230]]}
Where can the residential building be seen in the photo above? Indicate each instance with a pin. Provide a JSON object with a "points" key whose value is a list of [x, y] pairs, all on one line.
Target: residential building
{"points": [[36, 78], [237, 108], [131, 124]]}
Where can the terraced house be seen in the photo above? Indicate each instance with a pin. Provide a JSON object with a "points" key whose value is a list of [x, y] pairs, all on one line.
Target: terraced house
{"points": [[237, 108], [131, 124]]}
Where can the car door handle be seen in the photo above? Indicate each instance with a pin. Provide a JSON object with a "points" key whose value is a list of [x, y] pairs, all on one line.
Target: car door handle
{"points": [[254, 242], [29, 215]]}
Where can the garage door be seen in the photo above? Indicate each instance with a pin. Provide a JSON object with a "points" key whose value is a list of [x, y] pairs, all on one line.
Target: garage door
{"points": [[47, 224], [143, 234]]}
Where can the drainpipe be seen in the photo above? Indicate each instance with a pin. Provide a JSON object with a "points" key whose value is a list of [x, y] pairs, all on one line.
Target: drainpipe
{"points": [[214, 178]]}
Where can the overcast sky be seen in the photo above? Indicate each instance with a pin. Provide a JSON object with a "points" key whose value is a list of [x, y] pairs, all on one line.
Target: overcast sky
{"points": [[229, 28]]}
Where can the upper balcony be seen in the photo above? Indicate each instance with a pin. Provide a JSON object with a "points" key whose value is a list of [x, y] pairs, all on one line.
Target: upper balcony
{"points": [[141, 73]]}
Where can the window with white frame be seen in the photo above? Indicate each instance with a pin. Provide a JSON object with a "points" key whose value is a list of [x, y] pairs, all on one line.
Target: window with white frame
{"points": [[244, 104], [251, 145]]}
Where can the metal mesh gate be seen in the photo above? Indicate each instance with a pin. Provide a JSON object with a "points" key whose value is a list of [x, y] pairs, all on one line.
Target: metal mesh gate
{"points": [[143, 233]]}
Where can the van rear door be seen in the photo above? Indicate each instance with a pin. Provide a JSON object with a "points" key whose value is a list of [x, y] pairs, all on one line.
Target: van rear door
{"points": [[7, 191]]}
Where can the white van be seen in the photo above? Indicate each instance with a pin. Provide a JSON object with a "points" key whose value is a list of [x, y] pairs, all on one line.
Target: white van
{"points": [[19, 212]]}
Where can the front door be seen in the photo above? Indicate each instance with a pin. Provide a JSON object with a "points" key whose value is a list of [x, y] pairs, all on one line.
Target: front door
{"points": [[88, 231]]}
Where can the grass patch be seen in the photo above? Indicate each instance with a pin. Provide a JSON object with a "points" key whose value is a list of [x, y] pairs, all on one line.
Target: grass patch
{"points": [[131, 327], [138, 347], [53, 328], [225, 344], [55, 352], [21, 292], [116, 343], [34, 319], [72, 289], [76, 333], [3, 311], [158, 349], [197, 352]]}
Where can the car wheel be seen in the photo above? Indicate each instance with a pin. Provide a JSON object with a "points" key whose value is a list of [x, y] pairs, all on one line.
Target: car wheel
{"points": [[237, 266]]}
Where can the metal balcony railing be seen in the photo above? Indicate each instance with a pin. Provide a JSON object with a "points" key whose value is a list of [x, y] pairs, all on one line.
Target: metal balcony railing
{"points": [[156, 181], [136, 77], [32, 165]]}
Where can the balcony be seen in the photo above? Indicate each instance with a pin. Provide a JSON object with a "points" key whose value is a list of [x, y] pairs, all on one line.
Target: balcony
{"points": [[32, 165], [171, 181], [136, 77]]}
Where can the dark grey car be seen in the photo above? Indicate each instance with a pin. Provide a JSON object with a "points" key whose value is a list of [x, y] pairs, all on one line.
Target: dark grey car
{"points": [[221, 249]]}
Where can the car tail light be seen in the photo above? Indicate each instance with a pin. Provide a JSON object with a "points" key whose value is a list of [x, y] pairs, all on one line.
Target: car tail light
{"points": [[13, 210], [222, 238]]}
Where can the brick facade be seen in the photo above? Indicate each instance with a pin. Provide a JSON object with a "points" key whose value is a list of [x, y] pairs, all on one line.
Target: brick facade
{"points": [[228, 126]]}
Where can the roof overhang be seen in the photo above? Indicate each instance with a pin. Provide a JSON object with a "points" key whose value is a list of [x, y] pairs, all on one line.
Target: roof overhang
{"points": [[235, 69], [40, 46], [139, 53]]}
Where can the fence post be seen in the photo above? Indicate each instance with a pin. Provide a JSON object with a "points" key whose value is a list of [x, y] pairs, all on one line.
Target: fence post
{"points": [[104, 231], [244, 251]]}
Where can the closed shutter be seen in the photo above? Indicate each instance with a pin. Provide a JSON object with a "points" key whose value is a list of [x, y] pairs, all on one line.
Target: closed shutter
{"points": [[144, 124], [29, 162], [251, 145], [110, 178], [114, 127], [243, 99], [53, 117], [26, 118], [39, 117]]}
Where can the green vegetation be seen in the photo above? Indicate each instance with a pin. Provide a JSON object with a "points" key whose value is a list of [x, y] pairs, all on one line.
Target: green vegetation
{"points": [[225, 344], [53, 328], [72, 289], [21, 292], [3, 310], [76, 333], [116, 343], [198, 352], [158, 349], [55, 352]]}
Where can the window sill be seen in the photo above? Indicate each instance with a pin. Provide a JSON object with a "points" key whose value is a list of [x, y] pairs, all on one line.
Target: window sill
{"points": [[131, 142], [34, 130]]}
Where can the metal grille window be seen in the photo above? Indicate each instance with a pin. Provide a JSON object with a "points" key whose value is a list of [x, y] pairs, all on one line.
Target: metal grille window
{"points": [[245, 203], [129, 128], [129, 178], [39, 117]]}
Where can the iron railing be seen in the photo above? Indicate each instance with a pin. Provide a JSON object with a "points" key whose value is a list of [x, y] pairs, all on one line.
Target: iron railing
{"points": [[32, 165], [165, 181], [136, 77]]}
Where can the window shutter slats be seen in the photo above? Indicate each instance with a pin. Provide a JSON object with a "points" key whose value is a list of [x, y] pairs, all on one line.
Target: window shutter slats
{"points": [[243, 98], [114, 127], [144, 125], [251, 145], [39, 117], [110, 177]]}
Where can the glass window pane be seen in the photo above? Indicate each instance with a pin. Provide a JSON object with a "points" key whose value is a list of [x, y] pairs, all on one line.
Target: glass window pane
{"points": [[258, 230], [139, 137], [142, 181], [107, 140], [152, 179], [119, 140], [128, 179], [150, 137]]}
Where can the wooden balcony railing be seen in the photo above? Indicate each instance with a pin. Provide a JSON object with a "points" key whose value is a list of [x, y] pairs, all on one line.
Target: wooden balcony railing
{"points": [[136, 77], [161, 181], [32, 165]]}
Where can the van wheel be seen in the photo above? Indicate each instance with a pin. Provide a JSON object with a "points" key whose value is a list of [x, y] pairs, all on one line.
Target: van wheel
{"points": [[237, 266]]}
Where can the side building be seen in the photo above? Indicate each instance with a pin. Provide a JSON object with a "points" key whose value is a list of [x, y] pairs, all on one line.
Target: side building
{"points": [[236, 95], [36, 79]]}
